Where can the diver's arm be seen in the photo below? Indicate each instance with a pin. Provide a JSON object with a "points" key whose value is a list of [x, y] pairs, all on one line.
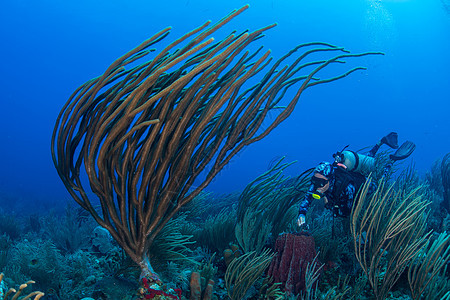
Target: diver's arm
{"points": [[306, 202], [304, 205]]}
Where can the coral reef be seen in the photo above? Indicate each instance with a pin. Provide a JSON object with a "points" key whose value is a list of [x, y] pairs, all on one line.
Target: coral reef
{"points": [[267, 205], [6, 293], [200, 288], [102, 240], [231, 253], [244, 271], [389, 229], [9, 225], [429, 265], [445, 174], [253, 231], [69, 232], [155, 290], [218, 230], [36, 259], [136, 147], [204, 270]]}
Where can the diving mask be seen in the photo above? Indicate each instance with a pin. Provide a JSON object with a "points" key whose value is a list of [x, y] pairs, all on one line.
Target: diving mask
{"points": [[318, 182]]}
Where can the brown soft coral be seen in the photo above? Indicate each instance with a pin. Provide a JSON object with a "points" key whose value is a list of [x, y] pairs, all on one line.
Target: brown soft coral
{"points": [[15, 294]]}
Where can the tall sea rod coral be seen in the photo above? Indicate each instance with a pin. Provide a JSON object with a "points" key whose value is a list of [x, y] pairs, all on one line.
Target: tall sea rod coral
{"points": [[143, 133], [388, 229]]}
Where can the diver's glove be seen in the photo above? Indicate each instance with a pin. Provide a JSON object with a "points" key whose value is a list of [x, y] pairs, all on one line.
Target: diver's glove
{"points": [[301, 220]]}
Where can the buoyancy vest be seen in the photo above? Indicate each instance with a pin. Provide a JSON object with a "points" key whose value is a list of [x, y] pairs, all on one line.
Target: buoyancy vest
{"points": [[342, 178]]}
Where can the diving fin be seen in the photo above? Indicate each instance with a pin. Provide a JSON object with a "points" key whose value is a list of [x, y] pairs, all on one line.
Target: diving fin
{"points": [[391, 140], [405, 150]]}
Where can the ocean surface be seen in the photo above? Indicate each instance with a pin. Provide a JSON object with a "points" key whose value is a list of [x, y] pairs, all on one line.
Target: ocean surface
{"points": [[49, 48]]}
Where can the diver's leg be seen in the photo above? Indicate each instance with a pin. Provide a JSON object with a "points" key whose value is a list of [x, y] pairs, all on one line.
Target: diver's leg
{"points": [[391, 140], [374, 149]]}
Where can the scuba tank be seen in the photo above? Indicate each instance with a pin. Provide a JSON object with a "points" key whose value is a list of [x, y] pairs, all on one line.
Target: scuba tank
{"points": [[355, 162]]}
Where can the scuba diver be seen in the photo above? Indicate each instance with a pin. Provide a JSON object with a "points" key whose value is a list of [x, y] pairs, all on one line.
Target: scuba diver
{"points": [[338, 183]]}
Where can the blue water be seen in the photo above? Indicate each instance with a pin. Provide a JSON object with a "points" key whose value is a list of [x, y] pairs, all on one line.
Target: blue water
{"points": [[49, 48]]}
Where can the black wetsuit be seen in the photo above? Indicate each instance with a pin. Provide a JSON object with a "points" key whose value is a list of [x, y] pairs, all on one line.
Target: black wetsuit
{"points": [[344, 186]]}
